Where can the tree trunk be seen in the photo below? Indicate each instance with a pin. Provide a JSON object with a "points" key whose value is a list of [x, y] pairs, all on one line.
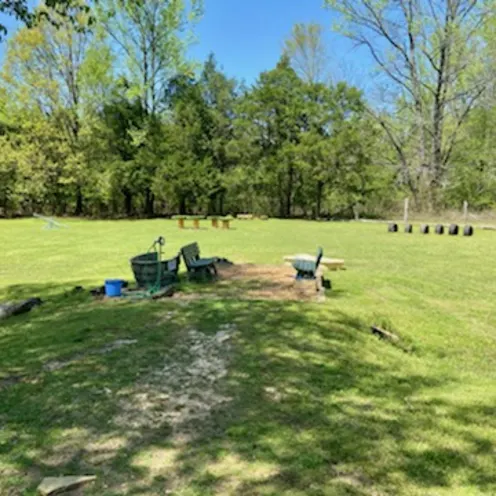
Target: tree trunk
{"points": [[222, 197], [320, 190], [149, 203], [128, 202], [182, 205], [440, 96], [79, 202], [281, 198], [289, 192]]}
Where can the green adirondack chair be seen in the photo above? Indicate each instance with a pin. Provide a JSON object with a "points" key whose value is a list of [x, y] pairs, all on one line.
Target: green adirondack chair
{"points": [[198, 266], [307, 269]]}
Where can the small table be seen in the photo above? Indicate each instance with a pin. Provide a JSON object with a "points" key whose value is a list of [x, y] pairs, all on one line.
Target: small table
{"points": [[330, 263]]}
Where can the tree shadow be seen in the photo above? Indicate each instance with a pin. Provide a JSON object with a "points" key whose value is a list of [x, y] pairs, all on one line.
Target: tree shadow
{"points": [[312, 409], [50, 291]]}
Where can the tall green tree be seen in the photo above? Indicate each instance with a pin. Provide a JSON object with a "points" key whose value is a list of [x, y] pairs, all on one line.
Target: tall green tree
{"points": [[187, 178], [336, 147], [425, 53], [55, 78], [116, 148], [275, 107], [151, 38], [219, 95], [473, 175], [304, 144]]}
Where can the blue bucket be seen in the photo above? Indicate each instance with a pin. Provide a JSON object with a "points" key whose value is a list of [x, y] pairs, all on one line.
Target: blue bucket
{"points": [[113, 288]]}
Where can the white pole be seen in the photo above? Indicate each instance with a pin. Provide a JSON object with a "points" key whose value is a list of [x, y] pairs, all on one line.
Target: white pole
{"points": [[405, 215], [465, 210]]}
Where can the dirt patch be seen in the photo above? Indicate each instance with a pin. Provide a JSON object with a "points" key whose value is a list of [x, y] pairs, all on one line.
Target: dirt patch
{"points": [[259, 282], [181, 395]]}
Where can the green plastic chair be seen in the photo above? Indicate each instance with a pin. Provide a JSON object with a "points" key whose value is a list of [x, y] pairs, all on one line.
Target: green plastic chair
{"points": [[198, 266]]}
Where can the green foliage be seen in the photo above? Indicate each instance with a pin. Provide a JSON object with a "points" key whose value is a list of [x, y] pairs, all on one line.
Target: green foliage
{"points": [[219, 94], [22, 11], [472, 177], [308, 145], [186, 176], [95, 123], [54, 84], [152, 37], [433, 61], [284, 147], [101, 114]]}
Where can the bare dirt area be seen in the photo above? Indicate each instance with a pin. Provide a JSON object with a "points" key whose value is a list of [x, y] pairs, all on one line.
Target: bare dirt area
{"points": [[183, 393], [259, 282]]}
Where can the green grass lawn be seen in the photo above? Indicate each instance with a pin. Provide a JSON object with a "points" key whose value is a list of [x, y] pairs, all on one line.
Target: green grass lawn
{"points": [[313, 403]]}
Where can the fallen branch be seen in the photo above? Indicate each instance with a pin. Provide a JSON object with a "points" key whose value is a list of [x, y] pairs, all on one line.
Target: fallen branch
{"points": [[9, 309], [389, 336]]}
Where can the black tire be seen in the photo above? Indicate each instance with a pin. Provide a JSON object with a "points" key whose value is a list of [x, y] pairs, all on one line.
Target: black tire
{"points": [[453, 230], [424, 228], [468, 231], [439, 229], [409, 228], [393, 228]]}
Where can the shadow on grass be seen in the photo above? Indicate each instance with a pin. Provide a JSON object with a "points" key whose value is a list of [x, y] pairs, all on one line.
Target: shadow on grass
{"points": [[312, 410], [43, 290]]}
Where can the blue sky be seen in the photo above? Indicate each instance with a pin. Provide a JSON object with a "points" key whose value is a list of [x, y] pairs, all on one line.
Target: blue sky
{"points": [[247, 36]]}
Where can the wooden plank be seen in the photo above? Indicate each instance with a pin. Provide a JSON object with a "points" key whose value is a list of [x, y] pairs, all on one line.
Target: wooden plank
{"points": [[57, 485], [329, 263]]}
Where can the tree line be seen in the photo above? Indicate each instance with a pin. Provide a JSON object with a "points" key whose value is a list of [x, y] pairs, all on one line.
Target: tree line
{"points": [[103, 115]]}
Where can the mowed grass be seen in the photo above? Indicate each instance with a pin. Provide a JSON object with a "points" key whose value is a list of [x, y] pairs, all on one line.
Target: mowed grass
{"points": [[318, 406]]}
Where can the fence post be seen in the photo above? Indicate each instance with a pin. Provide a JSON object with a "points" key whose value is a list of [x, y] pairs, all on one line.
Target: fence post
{"points": [[465, 210], [356, 211], [405, 214]]}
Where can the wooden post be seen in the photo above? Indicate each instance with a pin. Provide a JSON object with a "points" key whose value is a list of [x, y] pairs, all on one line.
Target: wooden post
{"points": [[405, 213], [180, 223], [356, 211], [465, 210], [225, 224], [215, 223], [196, 223]]}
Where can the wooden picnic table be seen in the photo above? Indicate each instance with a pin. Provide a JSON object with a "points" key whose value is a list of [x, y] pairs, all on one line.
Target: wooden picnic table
{"points": [[330, 263]]}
